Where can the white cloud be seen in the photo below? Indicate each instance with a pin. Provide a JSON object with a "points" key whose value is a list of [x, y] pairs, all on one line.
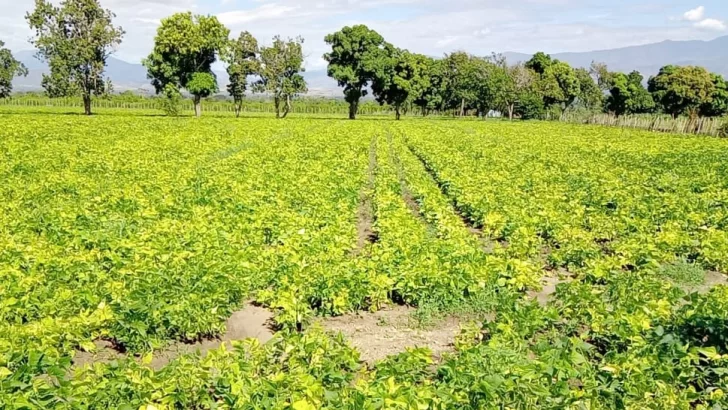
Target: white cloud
{"points": [[264, 12], [695, 14], [430, 27], [711, 24]]}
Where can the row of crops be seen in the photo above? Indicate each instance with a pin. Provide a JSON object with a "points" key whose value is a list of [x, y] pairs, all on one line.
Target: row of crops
{"points": [[143, 231]]}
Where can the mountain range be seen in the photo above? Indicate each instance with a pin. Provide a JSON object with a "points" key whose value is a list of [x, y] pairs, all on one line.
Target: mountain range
{"points": [[648, 59]]}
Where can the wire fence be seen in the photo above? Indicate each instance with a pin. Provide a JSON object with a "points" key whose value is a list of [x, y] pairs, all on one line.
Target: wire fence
{"points": [[302, 107], [683, 125], [711, 126]]}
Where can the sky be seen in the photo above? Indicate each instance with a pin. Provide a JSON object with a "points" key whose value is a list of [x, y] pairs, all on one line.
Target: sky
{"points": [[431, 27]]}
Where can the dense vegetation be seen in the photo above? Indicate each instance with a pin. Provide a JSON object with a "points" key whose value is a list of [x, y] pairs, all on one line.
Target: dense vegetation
{"points": [[144, 230]]}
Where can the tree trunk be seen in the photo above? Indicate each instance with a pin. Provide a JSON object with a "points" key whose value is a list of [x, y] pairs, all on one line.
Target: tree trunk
{"points": [[277, 104], [198, 106], [510, 112], [238, 108], [397, 113], [288, 106], [353, 109], [87, 104], [462, 107]]}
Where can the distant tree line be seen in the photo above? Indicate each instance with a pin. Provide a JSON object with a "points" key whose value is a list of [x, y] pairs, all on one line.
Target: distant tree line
{"points": [[76, 37], [361, 60]]}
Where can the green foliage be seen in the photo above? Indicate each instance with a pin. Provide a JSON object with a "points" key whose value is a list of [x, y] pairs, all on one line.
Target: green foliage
{"points": [[540, 62], [681, 90], [185, 48], [627, 95], [279, 73], [461, 83], [9, 68], [75, 38], [590, 95], [400, 78], [241, 57], [354, 51], [172, 100], [144, 230], [434, 96], [718, 104]]}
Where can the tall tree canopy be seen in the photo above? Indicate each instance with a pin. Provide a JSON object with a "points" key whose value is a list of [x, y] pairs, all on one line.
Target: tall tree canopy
{"points": [[279, 73], [75, 38], [718, 102], [241, 56], [558, 83], [352, 48], [679, 90], [9, 69], [185, 48], [400, 79], [627, 94], [590, 95], [460, 71], [518, 81], [433, 97]]}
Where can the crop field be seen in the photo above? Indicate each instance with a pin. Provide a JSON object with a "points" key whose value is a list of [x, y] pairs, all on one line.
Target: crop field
{"points": [[128, 234]]}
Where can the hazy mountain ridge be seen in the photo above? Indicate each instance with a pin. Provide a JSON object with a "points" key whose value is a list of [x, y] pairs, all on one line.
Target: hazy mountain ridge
{"points": [[648, 59]]}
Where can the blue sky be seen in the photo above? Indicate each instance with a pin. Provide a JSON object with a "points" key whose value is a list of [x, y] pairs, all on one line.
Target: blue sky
{"points": [[432, 27]]}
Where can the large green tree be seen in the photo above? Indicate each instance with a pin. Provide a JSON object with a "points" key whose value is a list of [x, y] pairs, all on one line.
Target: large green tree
{"points": [[627, 94], [560, 86], [517, 84], [558, 82], [590, 96], [400, 79], [279, 73], [488, 78], [679, 90], [185, 48], [9, 69], [352, 48], [241, 56], [434, 96], [75, 38], [461, 73], [718, 104]]}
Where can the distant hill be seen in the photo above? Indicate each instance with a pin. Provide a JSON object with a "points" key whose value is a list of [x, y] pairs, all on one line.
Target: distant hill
{"points": [[648, 59]]}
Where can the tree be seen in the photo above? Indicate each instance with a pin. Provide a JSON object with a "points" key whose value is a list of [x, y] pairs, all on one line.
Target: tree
{"points": [[241, 56], [679, 90], [279, 72], [9, 68], [601, 75], [559, 85], [718, 104], [400, 78], [433, 97], [185, 48], [349, 65], [627, 95], [460, 74], [518, 82], [488, 78], [539, 63], [75, 38], [590, 95]]}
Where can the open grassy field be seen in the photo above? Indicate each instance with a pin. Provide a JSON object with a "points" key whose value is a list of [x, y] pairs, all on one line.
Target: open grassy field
{"points": [[580, 267]]}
